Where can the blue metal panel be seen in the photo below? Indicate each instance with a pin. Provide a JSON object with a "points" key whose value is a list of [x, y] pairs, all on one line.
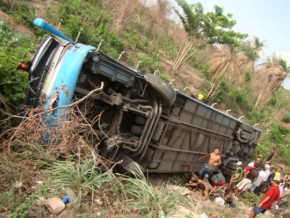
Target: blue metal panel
{"points": [[45, 26], [66, 77]]}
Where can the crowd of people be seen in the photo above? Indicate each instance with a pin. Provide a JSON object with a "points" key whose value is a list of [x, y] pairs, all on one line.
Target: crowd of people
{"points": [[259, 176]]}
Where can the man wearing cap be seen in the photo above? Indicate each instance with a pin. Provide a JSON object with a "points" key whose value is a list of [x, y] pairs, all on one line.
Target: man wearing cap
{"points": [[238, 174], [267, 200]]}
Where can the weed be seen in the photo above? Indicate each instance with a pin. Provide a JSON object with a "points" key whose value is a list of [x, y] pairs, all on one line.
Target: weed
{"points": [[251, 198], [23, 208], [286, 118], [164, 76]]}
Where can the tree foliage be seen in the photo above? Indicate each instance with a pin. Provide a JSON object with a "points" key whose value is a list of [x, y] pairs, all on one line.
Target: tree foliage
{"points": [[252, 48], [213, 27], [93, 22], [13, 48]]}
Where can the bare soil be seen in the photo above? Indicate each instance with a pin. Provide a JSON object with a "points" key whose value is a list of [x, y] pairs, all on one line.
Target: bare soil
{"points": [[17, 27]]}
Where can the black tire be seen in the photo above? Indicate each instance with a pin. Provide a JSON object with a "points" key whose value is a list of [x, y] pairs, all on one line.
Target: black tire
{"points": [[227, 172], [228, 148], [254, 141], [232, 165], [236, 147], [244, 150], [247, 128], [241, 152], [246, 135], [251, 150], [165, 91], [240, 139]]}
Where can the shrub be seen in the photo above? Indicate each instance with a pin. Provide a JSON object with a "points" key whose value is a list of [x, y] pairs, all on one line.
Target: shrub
{"points": [[163, 76], [241, 98], [286, 118], [14, 48]]}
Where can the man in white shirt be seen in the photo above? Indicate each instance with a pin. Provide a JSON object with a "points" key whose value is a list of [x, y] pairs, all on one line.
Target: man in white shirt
{"points": [[261, 179]]}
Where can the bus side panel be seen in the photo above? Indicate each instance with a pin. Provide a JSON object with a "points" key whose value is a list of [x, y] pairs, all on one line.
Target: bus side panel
{"points": [[193, 130]]}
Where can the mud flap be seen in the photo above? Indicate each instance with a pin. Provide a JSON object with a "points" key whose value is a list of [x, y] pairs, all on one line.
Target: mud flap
{"points": [[129, 164]]}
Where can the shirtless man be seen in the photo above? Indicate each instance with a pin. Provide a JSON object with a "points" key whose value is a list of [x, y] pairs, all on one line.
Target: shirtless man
{"points": [[215, 158], [212, 164], [194, 181]]}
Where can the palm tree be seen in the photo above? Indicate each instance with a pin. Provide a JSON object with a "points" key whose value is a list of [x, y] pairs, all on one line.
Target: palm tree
{"points": [[276, 71], [252, 49], [270, 76], [228, 62]]}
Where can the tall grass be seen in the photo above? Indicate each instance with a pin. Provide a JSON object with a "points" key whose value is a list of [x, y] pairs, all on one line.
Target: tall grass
{"points": [[128, 195]]}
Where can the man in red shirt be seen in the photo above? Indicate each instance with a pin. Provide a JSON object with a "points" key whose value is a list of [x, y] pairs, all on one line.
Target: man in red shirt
{"points": [[266, 201]]}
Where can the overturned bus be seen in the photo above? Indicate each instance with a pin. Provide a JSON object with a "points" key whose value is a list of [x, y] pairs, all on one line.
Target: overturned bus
{"points": [[145, 120]]}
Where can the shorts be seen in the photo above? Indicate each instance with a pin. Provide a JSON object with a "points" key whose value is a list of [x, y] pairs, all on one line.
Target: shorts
{"points": [[206, 169], [244, 184], [252, 187], [258, 210], [211, 169]]}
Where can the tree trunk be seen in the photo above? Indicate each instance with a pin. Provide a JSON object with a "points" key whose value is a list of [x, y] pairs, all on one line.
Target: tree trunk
{"points": [[258, 100]]}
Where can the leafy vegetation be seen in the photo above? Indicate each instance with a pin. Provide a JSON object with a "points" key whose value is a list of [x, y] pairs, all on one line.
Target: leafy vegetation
{"points": [[286, 118], [213, 27], [14, 47]]}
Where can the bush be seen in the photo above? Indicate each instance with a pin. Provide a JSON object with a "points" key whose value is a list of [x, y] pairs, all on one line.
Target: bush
{"points": [[136, 41], [163, 76], [250, 198], [241, 98], [286, 118], [13, 49]]}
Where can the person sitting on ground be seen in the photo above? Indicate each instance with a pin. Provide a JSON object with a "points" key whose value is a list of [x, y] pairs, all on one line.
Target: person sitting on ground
{"points": [[217, 179], [238, 174], [229, 197], [267, 200], [212, 165], [195, 181], [247, 180]]}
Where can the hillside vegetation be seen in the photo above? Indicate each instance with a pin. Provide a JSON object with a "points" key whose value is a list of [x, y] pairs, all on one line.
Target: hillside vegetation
{"points": [[199, 53]]}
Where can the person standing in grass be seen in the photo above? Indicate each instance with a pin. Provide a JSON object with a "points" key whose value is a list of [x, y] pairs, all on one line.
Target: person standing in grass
{"points": [[271, 156], [267, 200]]}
